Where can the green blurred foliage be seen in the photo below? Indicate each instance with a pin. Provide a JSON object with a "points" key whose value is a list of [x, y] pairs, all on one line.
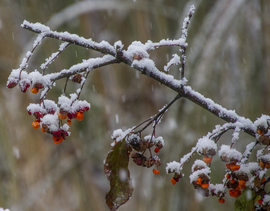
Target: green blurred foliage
{"points": [[227, 60]]}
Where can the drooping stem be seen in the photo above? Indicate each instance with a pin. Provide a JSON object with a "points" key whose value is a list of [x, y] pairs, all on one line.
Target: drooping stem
{"points": [[155, 119]]}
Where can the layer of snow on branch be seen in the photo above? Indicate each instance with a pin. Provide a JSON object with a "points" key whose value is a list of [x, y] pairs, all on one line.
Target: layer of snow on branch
{"points": [[37, 77], [86, 64], [228, 152], [35, 26], [149, 66], [186, 21], [217, 188], [222, 112], [205, 144], [154, 140], [119, 134], [202, 169], [262, 121], [173, 167], [174, 61], [38, 27]]}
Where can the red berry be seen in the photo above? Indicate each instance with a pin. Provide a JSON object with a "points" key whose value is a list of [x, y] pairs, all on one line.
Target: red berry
{"points": [[155, 171], [235, 167], [11, 84], [69, 122], [24, 86], [221, 200], [173, 181], [71, 115], [207, 160], [206, 185], [156, 150], [199, 181], [57, 140]]}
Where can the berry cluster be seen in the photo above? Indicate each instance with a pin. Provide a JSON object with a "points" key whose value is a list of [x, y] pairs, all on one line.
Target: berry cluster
{"points": [[35, 80], [200, 176], [240, 175], [140, 146], [51, 116]]}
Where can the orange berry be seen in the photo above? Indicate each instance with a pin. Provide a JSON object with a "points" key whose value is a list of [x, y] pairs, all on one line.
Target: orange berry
{"points": [[228, 176], [69, 122], [173, 181], [205, 185], [35, 124], [58, 140], [34, 90], [199, 181], [61, 116], [232, 180], [79, 116], [207, 159], [156, 150], [242, 182], [43, 130], [228, 165], [260, 132], [267, 166], [235, 167], [234, 193], [221, 200], [263, 180], [262, 164], [241, 186], [155, 171], [260, 201], [115, 142], [54, 138]]}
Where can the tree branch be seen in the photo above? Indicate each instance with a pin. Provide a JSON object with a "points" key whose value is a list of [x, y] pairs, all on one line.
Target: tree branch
{"points": [[103, 47], [143, 64]]}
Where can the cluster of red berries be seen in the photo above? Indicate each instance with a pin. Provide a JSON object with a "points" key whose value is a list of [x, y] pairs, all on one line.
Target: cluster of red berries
{"points": [[140, 145], [51, 118], [235, 181], [200, 177]]}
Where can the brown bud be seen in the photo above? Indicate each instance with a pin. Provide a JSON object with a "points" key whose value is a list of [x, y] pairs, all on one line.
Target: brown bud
{"points": [[77, 78], [261, 130], [159, 144], [209, 152], [139, 159], [226, 159], [38, 85], [138, 144], [137, 57], [45, 127], [150, 162], [264, 140], [157, 162], [231, 185], [240, 176]]}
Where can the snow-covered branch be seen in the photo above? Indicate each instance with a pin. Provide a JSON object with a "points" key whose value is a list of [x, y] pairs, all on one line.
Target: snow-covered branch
{"points": [[55, 118], [103, 47]]}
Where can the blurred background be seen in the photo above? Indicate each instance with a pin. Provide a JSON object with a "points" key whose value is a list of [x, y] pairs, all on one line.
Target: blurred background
{"points": [[228, 60]]}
